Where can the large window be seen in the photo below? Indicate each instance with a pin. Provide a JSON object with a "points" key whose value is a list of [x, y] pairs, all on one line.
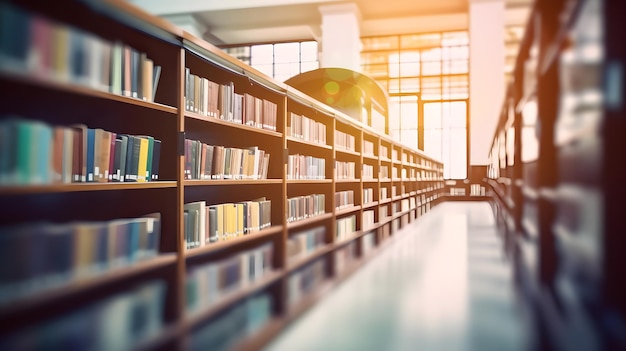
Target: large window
{"points": [[427, 77], [280, 61]]}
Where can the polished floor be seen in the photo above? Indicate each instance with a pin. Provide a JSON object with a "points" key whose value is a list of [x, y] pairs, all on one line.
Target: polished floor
{"points": [[443, 284]]}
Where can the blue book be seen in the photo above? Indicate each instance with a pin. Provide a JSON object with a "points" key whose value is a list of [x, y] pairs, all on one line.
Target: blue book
{"points": [[14, 36], [132, 240], [59, 243], [91, 139], [43, 154]]}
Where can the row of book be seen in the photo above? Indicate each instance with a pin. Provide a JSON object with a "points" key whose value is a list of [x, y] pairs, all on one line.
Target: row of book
{"points": [[235, 324], [368, 172], [208, 282], [307, 129], [305, 167], [368, 148], [301, 244], [37, 256], [383, 193], [345, 170], [384, 152], [344, 256], [203, 162], [368, 195], [368, 219], [346, 226], [45, 48], [205, 224], [119, 322], [304, 280], [344, 199], [212, 99], [344, 141], [302, 207], [34, 152]]}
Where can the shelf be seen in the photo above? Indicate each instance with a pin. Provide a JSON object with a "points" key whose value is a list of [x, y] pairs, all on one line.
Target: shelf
{"points": [[400, 214], [79, 90], [312, 256], [530, 193], [371, 228], [396, 180], [166, 334], [396, 198], [384, 201], [347, 180], [347, 152], [217, 121], [386, 160], [308, 300], [73, 288], [310, 220], [370, 180], [232, 182], [343, 211], [369, 205], [530, 229], [76, 187], [197, 317], [228, 244], [385, 180], [308, 143], [370, 157], [309, 181]]}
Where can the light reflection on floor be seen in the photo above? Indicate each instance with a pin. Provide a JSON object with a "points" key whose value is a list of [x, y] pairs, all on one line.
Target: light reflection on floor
{"points": [[443, 285]]}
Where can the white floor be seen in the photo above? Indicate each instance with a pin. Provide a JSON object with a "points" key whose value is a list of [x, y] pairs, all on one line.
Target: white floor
{"points": [[443, 284]]}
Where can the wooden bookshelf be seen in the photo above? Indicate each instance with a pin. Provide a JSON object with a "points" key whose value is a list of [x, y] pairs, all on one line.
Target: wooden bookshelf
{"points": [[172, 120]]}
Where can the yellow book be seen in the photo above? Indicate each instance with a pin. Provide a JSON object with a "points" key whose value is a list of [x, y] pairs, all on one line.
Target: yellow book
{"points": [[230, 220], [240, 218], [220, 222], [255, 223], [143, 160]]}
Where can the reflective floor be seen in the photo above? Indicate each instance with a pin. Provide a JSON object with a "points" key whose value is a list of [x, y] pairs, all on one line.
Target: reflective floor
{"points": [[442, 284]]}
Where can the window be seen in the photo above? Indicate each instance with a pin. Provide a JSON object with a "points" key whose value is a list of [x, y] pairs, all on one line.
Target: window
{"points": [[425, 74], [280, 61]]}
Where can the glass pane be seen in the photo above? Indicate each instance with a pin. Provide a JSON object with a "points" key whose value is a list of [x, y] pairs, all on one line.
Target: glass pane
{"points": [[431, 55], [374, 58], [262, 54], [287, 52], [455, 67], [432, 116], [408, 112], [309, 66], [410, 69], [267, 69], [431, 68], [380, 43], [394, 86], [458, 154], [409, 137], [308, 51], [420, 40], [410, 85], [457, 114], [431, 88], [376, 71], [284, 71], [432, 143], [394, 65], [455, 38]]}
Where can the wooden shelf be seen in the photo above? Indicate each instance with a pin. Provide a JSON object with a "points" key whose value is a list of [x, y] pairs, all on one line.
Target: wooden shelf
{"points": [[343, 211], [231, 243], [370, 157], [309, 181], [308, 143], [76, 187], [167, 334], [228, 299], [347, 180], [347, 152], [312, 256], [239, 126], [262, 336], [369, 205], [384, 201], [72, 288], [309, 300], [352, 237], [232, 182], [310, 220], [386, 160], [35, 82], [370, 180]]}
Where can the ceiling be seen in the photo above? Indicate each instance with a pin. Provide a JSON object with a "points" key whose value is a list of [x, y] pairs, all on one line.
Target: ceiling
{"points": [[248, 21]]}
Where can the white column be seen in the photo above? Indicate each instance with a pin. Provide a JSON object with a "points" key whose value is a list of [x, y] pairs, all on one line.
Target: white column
{"points": [[341, 36], [487, 84], [189, 23]]}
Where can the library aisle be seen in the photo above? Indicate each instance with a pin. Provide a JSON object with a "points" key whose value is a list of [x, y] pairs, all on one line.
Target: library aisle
{"points": [[442, 284]]}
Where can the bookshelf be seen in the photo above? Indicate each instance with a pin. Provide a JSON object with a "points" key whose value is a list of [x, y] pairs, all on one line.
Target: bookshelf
{"points": [[556, 173], [209, 167]]}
